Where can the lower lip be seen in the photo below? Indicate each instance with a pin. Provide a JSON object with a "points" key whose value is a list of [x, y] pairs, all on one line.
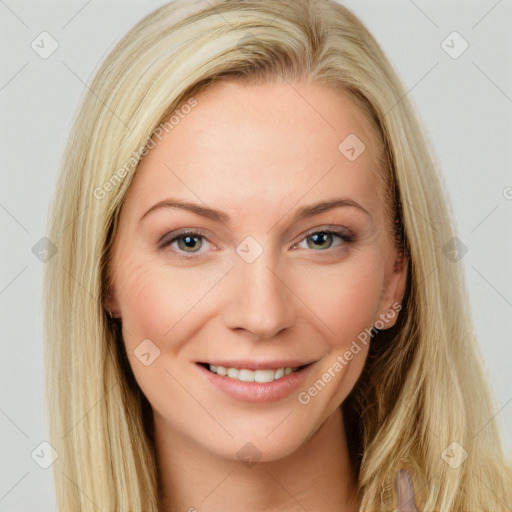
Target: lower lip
{"points": [[257, 392]]}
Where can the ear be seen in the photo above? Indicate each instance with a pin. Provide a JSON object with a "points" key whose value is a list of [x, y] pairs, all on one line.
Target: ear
{"points": [[110, 303], [393, 293]]}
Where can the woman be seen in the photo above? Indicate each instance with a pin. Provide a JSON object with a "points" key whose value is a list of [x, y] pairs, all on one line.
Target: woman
{"points": [[250, 306]]}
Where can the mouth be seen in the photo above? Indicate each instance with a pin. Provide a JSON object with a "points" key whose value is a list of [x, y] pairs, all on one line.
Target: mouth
{"points": [[256, 382], [260, 375]]}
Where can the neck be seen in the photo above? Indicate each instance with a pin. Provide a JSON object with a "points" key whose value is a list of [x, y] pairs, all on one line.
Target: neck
{"points": [[317, 476]]}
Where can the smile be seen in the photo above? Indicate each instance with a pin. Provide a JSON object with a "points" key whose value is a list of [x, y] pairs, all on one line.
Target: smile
{"points": [[256, 382], [246, 375]]}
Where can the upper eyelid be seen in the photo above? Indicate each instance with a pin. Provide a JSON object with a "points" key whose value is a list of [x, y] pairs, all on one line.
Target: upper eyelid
{"points": [[327, 227], [181, 232], [341, 232]]}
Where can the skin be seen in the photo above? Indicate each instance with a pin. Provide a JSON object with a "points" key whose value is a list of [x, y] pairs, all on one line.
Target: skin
{"points": [[257, 153]]}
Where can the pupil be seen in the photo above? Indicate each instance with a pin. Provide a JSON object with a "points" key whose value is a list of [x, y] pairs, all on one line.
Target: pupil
{"points": [[189, 241], [316, 238], [319, 238]]}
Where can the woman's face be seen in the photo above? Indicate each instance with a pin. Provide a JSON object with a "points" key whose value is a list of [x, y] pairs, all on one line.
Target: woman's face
{"points": [[268, 279]]}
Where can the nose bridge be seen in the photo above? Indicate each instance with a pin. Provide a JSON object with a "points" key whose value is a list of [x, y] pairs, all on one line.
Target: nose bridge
{"points": [[260, 301]]}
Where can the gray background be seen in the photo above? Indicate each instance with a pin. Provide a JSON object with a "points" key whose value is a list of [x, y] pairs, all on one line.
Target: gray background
{"points": [[465, 102]]}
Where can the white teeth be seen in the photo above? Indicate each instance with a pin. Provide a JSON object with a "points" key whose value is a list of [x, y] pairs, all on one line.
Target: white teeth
{"points": [[264, 375], [233, 373], [245, 375], [279, 373]]}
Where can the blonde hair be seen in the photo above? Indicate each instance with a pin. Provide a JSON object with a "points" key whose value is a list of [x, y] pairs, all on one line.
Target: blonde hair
{"points": [[423, 386]]}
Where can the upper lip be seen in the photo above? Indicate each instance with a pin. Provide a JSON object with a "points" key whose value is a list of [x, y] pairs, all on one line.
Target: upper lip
{"points": [[258, 365]]}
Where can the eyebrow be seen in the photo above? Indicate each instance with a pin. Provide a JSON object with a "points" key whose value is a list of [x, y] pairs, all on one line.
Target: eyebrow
{"points": [[222, 217]]}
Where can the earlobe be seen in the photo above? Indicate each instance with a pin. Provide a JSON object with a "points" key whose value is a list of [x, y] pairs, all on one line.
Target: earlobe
{"points": [[400, 273], [394, 292], [400, 263], [110, 304]]}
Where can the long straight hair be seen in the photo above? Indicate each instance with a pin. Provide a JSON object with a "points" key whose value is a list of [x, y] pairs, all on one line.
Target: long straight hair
{"points": [[423, 399]]}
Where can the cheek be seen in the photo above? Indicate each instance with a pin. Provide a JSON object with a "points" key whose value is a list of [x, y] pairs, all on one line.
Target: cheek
{"points": [[157, 302], [347, 306], [346, 298], [146, 303]]}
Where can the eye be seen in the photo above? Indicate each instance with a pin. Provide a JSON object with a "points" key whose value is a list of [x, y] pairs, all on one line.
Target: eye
{"points": [[324, 239], [186, 243]]}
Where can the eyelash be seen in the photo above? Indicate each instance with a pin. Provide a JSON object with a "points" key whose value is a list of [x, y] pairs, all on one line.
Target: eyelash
{"points": [[342, 234]]}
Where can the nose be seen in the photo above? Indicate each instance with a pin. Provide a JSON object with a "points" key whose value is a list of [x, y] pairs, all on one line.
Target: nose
{"points": [[260, 300]]}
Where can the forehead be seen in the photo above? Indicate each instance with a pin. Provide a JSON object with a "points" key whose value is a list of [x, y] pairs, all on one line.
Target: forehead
{"points": [[272, 144]]}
